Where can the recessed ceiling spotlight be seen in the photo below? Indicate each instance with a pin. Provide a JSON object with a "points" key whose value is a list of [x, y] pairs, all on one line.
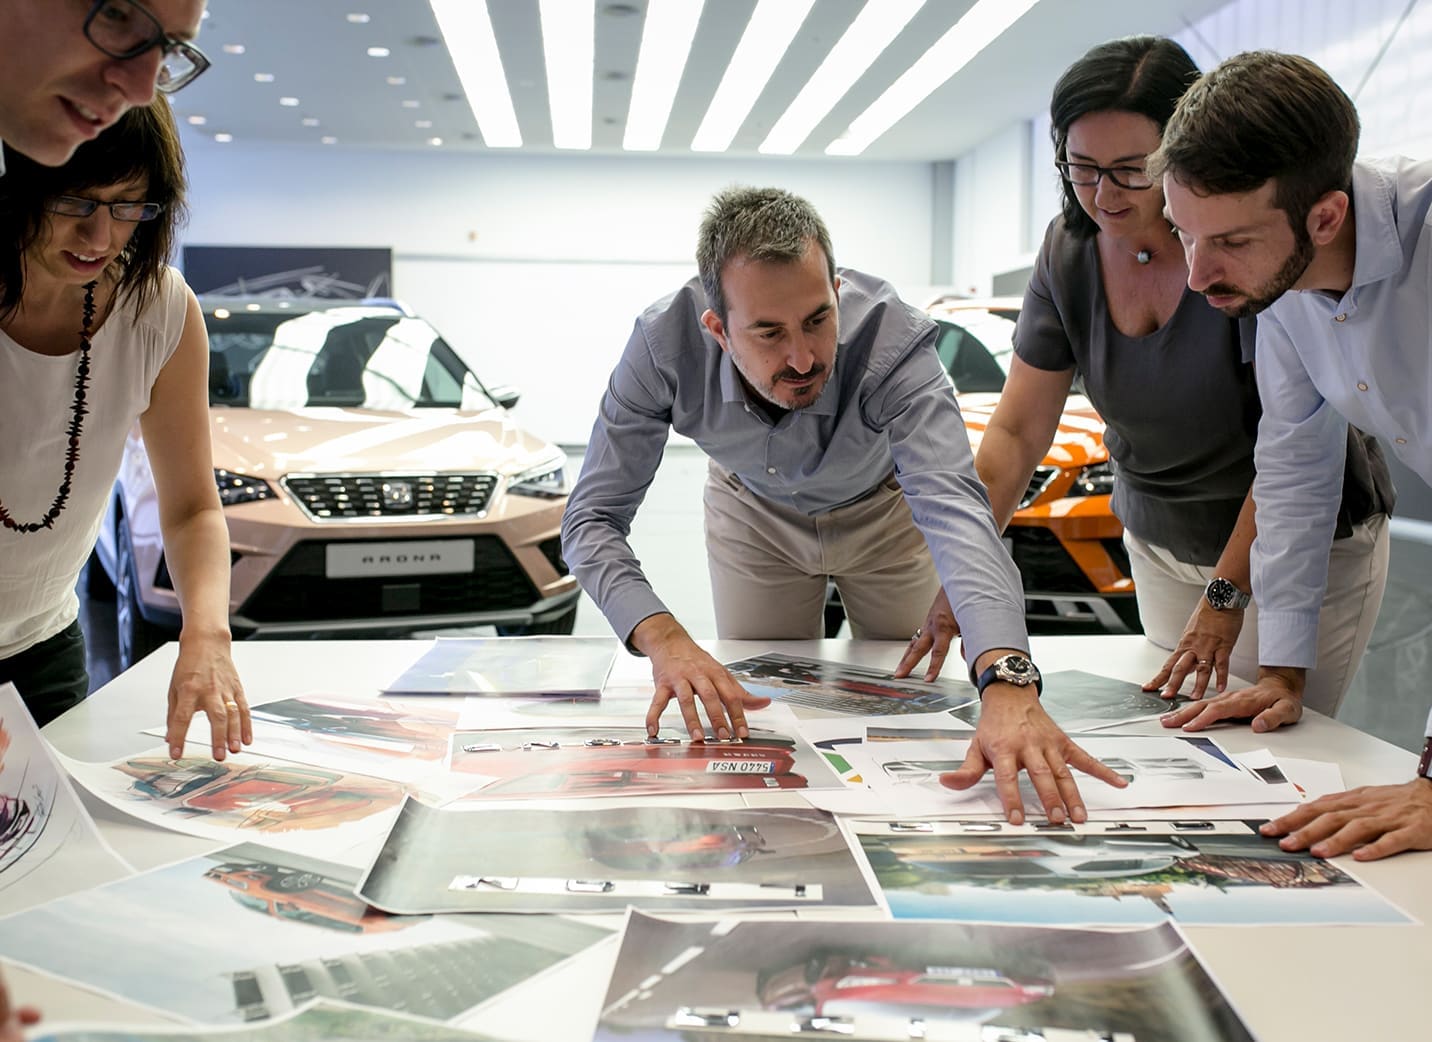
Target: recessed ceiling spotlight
{"points": [[291, 103], [198, 121], [223, 138], [309, 121], [328, 140], [232, 48], [378, 52], [412, 103], [221, 313], [423, 124], [253, 307], [397, 81], [358, 18], [435, 141], [263, 77]]}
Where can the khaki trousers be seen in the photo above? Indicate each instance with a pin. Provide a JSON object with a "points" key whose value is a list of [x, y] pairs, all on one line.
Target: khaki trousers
{"points": [[1168, 590], [769, 564]]}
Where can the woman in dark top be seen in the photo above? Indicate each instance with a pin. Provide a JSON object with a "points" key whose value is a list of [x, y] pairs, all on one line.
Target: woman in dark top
{"points": [[1173, 380]]}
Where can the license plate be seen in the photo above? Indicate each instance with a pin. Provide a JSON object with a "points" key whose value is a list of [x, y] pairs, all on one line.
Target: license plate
{"points": [[423, 557], [741, 767]]}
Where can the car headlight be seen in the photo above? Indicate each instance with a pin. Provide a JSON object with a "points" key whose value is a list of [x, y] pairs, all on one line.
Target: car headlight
{"points": [[240, 488], [547, 481], [1095, 480]]}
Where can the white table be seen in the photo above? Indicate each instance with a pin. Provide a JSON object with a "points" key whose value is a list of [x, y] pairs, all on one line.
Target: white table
{"points": [[1291, 984]]}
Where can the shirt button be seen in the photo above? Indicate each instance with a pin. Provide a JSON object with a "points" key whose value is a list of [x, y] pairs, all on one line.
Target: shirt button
{"points": [[1400, 441], [770, 470], [1340, 318], [1362, 386]]}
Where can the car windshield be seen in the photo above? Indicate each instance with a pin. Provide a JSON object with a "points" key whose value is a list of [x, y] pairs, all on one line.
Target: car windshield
{"points": [[975, 346], [369, 357]]}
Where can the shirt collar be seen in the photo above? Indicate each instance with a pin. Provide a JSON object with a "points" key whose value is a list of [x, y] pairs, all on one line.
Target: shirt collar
{"points": [[1379, 247]]}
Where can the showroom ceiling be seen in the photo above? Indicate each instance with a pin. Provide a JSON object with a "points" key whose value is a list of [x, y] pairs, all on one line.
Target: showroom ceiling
{"points": [[301, 71]]}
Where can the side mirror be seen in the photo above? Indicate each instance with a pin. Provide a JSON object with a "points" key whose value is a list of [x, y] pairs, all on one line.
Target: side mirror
{"points": [[505, 396]]}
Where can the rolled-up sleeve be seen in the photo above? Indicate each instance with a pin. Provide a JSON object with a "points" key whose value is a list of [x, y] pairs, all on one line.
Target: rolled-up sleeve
{"points": [[1300, 457], [915, 406], [623, 454]]}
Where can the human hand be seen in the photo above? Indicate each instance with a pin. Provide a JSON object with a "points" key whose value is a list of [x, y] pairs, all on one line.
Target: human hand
{"points": [[934, 637], [1276, 700], [1015, 732], [205, 680], [682, 671], [1203, 650], [14, 1019], [1373, 822]]}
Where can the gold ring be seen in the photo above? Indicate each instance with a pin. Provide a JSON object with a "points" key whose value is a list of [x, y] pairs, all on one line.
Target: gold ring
{"points": [[1203, 663], [231, 705]]}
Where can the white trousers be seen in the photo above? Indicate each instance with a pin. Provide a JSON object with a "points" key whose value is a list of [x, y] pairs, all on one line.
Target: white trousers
{"points": [[1168, 590], [769, 564]]}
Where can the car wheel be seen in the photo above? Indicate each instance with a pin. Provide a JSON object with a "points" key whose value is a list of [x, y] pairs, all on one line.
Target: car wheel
{"points": [[136, 635], [98, 585], [562, 625]]}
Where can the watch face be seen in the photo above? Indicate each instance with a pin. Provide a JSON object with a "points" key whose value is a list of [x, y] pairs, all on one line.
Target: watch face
{"points": [[1016, 670], [1221, 593]]}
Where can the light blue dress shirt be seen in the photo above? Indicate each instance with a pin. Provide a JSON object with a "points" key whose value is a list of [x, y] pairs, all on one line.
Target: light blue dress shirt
{"points": [[1323, 362], [888, 405]]}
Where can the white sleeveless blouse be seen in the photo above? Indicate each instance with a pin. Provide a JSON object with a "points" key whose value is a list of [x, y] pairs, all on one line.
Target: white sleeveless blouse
{"points": [[38, 571]]}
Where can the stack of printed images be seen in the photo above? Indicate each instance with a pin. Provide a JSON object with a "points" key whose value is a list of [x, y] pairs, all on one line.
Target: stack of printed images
{"points": [[394, 863]]}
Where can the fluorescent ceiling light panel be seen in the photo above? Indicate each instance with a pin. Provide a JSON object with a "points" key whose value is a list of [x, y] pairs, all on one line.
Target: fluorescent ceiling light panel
{"points": [[768, 34], [980, 26], [879, 22], [665, 45], [467, 30], [569, 44]]}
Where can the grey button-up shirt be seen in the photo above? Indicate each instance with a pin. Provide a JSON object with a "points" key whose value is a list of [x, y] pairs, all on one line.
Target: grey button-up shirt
{"points": [[888, 404]]}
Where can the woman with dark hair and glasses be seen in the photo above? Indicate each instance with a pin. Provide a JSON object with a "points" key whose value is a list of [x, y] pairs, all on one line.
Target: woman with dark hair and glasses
{"points": [[1173, 380], [70, 68], [97, 331]]}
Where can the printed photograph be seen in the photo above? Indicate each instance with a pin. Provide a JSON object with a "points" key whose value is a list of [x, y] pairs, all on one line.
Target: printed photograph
{"points": [[1079, 701], [510, 666], [700, 982], [838, 687], [657, 857], [622, 761], [1125, 875], [292, 931]]}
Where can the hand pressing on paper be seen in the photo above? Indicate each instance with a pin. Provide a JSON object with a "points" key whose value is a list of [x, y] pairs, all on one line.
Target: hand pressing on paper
{"points": [[1275, 701], [934, 638], [683, 672], [1373, 822], [1016, 733], [1203, 652]]}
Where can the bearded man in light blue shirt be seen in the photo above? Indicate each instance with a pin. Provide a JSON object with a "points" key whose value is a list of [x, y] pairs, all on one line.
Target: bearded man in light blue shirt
{"points": [[1334, 255]]}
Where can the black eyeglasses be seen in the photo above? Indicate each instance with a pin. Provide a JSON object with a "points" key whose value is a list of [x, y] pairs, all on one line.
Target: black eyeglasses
{"points": [[1131, 177], [76, 206], [123, 29]]}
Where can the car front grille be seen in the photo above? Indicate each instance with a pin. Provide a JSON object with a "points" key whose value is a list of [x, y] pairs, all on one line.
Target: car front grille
{"points": [[1038, 482], [1044, 564], [341, 497], [298, 589]]}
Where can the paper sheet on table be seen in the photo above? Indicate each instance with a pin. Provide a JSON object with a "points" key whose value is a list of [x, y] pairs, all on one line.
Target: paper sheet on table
{"points": [[825, 687], [1208, 873], [43, 824], [1311, 778], [510, 666], [1163, 771], [1079, 701]]}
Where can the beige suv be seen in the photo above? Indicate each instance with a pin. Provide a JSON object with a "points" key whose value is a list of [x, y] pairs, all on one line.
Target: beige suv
{"points": [[371, 484]]}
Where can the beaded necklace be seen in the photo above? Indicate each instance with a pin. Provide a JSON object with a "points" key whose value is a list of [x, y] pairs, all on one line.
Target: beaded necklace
{"points": [[76, 427]]}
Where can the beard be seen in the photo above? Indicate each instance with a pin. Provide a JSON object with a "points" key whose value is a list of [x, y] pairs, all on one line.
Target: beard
{"points": [[800, 399], [1283, 280]]}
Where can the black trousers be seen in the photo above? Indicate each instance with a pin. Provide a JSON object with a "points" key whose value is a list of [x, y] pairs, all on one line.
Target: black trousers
{"points": [[51, 675]]}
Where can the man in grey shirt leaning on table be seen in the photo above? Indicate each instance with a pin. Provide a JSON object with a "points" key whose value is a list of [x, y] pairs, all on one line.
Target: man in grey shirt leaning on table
{"points": [[1335, 258], [836, 450]]}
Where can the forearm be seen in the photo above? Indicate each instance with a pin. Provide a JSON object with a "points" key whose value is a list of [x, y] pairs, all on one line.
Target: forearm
{"points": [[196, 549], [1233, 564], [1005, 464]]}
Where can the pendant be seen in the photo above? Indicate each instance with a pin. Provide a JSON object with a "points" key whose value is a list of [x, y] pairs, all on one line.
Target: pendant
{"points": [[1143, 256]]}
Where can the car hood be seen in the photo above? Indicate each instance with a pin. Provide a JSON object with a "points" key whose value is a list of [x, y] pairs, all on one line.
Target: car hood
{"points": [[269, 443], [1078, 442]]}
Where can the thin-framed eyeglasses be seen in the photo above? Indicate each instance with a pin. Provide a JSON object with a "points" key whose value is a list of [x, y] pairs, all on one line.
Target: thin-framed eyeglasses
{"points": [[78, 206], [123, 29], [1134, 178]]}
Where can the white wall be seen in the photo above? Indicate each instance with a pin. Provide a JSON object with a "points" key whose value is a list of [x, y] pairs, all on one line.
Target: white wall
{"points": [[535, 267], [1395, 106]]}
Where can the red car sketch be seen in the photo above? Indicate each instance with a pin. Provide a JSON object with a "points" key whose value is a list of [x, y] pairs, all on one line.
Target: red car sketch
{"points": [[304, 897]]}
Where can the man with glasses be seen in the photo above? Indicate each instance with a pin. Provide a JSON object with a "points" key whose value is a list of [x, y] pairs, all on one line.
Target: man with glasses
{"points": [[70, 68]]}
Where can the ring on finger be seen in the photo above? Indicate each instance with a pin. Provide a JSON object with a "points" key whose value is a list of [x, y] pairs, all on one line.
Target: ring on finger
{"points": [[919, 631], [1203, 663], [231, 706]]}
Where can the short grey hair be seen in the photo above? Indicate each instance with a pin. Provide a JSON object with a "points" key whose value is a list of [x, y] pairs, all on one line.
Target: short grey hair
{"points": [[764, 224]]}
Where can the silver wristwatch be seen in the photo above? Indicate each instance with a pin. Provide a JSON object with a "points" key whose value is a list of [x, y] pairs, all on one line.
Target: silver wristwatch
{"points": [[1222, 595]]}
